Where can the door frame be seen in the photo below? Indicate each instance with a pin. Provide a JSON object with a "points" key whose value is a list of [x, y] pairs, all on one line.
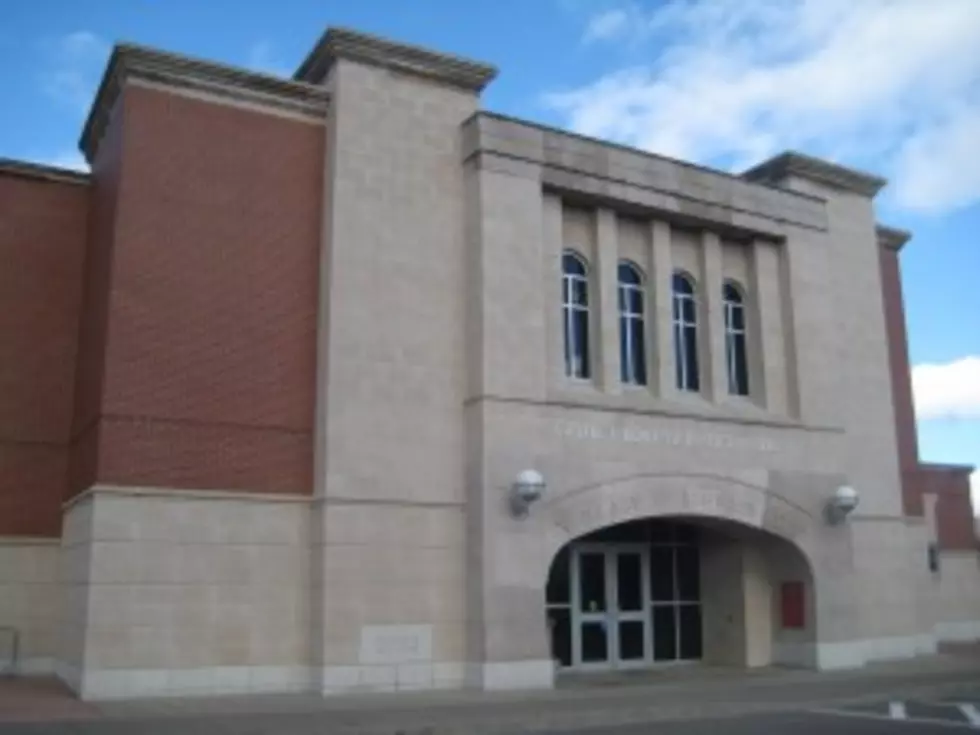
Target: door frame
{"points": [[612, 615]]}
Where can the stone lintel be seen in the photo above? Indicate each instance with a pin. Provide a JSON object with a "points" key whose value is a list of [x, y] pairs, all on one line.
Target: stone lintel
{"points": [[342, 43], [791, 163], [136, 63], [892, 237], [29, 170]]}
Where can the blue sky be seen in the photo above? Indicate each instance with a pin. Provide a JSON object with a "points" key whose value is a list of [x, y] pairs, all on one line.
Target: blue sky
{"points": [[892, 86]]}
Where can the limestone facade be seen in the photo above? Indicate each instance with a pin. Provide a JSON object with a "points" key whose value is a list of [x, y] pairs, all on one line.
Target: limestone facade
{"points": [[296, 461]]}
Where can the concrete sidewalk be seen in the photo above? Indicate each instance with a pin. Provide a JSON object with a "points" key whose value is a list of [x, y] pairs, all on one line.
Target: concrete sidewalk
{"points": [[666, 694]]}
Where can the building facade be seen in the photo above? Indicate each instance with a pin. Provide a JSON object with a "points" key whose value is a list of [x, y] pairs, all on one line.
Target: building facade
{"points": [[284, 374]]}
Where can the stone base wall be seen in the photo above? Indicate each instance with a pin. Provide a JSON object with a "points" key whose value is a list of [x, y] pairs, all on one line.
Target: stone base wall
{"points": [[956, 587], [170, 592], [157, 593], [389, 584], [29, 607]]}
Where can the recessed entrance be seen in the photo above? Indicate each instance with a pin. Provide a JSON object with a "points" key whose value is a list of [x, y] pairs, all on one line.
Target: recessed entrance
{"points": [[627, 597]]}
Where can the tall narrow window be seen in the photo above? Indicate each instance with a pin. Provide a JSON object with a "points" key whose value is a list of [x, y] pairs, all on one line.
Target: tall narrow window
{"points": [[632, 347], [735, 357], [575, 314], [686, 333]]}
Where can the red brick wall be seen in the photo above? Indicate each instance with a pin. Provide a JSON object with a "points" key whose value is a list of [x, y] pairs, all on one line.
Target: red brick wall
{"points": [[106, 174], [901, 378], [954, 516], [42, 251], [210, 344], [954, 512]]}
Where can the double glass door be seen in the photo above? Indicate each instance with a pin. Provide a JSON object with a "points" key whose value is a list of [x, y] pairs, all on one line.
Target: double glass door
{"points": [[610, 620]]}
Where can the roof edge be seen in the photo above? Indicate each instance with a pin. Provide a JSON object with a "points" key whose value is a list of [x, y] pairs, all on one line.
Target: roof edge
{"points": [[793, 163], [129, 62], [31, 170], [343, 43], [957, 469], [892, 238]]}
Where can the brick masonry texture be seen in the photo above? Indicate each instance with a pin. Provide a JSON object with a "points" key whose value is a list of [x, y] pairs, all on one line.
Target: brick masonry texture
{"points": [[42, 248], [954, 512], [212, 296], [898, 356], [95, 305]]}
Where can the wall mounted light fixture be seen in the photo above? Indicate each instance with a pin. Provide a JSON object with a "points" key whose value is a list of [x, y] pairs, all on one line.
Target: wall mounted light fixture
{"points": [[528, 487], [844, 500]]}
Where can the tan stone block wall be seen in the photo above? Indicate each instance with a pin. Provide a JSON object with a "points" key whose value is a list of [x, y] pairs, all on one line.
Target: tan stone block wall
{"points": [[836, 292], [685, 252], [760, 594], [393, 331], [885, 575], [957, 588], [397, 569], [74, 563], [736, 262], [578, 230], [723, 602], [29, 604], [633, 241], [159, 584], [396, 366]]}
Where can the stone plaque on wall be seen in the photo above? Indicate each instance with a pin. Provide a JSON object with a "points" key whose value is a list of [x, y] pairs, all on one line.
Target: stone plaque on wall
{"points": [[395, 644]]}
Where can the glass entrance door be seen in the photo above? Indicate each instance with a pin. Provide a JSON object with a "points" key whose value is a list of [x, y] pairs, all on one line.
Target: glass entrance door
{"points": [[630, 616], [610, 624]]}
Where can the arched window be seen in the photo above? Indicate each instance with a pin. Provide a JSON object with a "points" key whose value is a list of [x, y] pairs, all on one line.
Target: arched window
{"points": [[575, 314], [632, 346], [735, 358], [686, 332]]}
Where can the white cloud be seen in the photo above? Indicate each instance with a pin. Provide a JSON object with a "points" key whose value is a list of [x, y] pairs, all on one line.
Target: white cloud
{"points": [[932, 173], [72, 68], [608, 24], [889, 84], [947, 390], [262, 58]]}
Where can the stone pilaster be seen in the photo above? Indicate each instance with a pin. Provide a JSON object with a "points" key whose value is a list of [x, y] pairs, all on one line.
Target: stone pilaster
{"points": [[711, 319], [766, 346], [552, 241], [662, 379], [607, 319]]}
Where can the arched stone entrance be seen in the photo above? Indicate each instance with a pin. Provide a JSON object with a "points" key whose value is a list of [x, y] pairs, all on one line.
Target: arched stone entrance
{"points": [[761, 525], [652, 591]]}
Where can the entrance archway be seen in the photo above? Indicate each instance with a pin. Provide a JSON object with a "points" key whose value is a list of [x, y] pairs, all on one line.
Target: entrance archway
{"points": [[663, 590]]}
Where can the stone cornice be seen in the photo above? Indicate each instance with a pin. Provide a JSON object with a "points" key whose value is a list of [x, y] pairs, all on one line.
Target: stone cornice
{"points": [[28, 170], [792, 163], [891, 237], [341, 43], [954, 469], [603, 173], [135, 63]]}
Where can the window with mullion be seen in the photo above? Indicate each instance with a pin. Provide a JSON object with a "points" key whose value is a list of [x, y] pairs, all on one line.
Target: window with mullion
{"points": [[685, 333], [632, 342], [736, 359], [575, 315]]}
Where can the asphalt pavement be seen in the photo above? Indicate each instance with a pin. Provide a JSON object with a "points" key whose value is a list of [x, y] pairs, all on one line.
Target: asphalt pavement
{"points": [[891, 717], [933, 716], [928, 696]]}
